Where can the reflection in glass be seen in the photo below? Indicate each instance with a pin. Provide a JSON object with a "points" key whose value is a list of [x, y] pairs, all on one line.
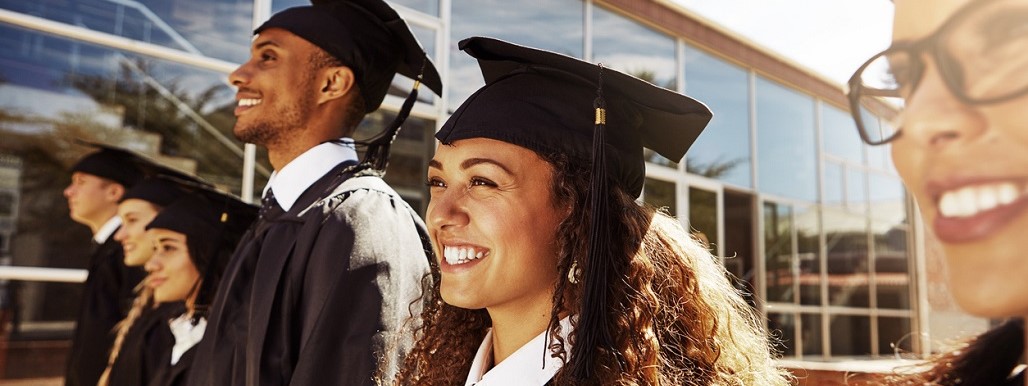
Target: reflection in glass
{"points": [[215, 28], [848, 265], [703, 217], [786, 149], [851, 335], [896, 338], [550, 25], [782, 327], [856, 190], [808, 250], [840, 135], [740, 255], [781, 264], [892, 277], [723, 150], [661, 195], [409, 154], [888, 199], [833, 185], [41, 319], [810, 328]]}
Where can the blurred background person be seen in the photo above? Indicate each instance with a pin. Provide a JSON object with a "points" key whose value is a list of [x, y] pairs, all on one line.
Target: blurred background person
{"points": [[97, 184]]}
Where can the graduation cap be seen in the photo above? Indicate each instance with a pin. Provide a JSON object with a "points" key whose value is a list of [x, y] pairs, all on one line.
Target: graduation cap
{"points": [[372, 40], [142, 164], [552, 103], [213, 223], [110, 164]]}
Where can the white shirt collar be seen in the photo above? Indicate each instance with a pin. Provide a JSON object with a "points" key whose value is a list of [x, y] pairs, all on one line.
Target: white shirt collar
{"points": [[107, 230], [303, 171], [186, 334], [527, 366]]}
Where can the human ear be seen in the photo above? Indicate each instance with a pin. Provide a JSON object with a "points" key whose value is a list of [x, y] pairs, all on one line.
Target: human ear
{"points": [[336, 82]]}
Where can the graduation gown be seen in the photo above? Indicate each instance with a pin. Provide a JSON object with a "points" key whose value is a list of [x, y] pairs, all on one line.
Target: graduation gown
{"points": [[106, 297], [145, 346], [177, 374], [312, 296]]}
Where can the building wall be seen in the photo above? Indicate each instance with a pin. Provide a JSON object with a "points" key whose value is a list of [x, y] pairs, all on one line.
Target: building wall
{"points": [[815, 225]]}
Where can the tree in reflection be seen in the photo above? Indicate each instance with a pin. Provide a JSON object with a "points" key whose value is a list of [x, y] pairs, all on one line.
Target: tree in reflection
{"points": [[186, 124]]}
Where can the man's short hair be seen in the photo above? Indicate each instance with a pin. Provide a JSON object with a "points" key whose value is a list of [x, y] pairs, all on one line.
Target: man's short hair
{"points": [[355, 110]]}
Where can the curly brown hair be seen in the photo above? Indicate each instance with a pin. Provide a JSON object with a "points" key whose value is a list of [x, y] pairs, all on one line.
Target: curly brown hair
{"points": [[675, 318]]}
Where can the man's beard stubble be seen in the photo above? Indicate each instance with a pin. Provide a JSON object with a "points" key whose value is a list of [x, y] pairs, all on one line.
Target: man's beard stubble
{"points": [[275, 125]]}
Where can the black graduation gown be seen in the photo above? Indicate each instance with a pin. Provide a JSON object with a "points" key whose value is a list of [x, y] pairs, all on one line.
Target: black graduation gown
{"points": [[173, 375], [311, 296], [106, 298], [145, 346]]}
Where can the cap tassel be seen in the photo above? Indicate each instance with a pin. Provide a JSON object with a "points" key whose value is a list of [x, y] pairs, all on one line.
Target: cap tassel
{"points": [[593, 330], [205, 295], [377, 154]]}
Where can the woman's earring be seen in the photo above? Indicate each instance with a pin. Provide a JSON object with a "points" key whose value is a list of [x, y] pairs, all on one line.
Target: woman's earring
{"points": [[574, 274]]}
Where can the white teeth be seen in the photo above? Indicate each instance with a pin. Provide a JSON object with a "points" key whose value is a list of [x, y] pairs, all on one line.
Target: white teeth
{"points": [[971, 200], [461, 255], [247, 102]]}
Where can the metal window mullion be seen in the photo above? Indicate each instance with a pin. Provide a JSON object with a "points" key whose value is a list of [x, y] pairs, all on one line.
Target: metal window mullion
{"points": [[587, 34]]}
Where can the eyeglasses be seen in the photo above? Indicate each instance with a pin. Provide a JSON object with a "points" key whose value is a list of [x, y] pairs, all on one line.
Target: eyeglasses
{"points": [[981, 53]]}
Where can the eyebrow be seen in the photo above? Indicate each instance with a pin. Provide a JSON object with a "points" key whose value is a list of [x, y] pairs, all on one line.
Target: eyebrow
{"points": [[265, 43], [470, 162]]}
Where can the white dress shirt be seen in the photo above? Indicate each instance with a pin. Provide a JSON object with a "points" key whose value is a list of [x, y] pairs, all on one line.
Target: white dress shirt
{"points": [[186, 334], [303, 171], [531, 364], [107, 230]]}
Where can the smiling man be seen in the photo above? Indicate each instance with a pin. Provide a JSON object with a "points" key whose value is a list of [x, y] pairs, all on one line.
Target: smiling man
{"points": [[318, 288]]}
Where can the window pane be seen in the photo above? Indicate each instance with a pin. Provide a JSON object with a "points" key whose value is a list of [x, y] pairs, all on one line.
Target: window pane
{"points": [[848, 266], [42, 318], [660, 194], [408, 156], [403, 85], [892, 276], [785, 142], [840, 135], [851, 335], [856, 190], [550, 25], [703, 217], [812, 336], [781, 276], [808, 239], [723, 150], [833, 184], [215, 28], [895, 338], [888, 199], [430, 7], [783, 327]]}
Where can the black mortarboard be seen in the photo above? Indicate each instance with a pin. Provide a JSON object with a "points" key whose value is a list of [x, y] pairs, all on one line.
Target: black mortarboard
{"points": [[112, 165], [371, 39], [213, 223], [143, 164], [552, 103], [157, 190]]}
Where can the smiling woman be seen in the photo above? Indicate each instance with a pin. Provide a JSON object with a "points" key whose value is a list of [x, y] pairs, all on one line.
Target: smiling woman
{"points": [[958, 70], [542, 250]]}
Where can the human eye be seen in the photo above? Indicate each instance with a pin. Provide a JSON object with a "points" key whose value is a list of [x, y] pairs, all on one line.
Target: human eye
{"points": [[435, 182], [267, 56], [480, 181]]}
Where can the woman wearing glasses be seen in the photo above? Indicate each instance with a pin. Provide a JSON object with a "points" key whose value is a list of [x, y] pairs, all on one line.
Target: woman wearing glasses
{"points": [[958, 73]]}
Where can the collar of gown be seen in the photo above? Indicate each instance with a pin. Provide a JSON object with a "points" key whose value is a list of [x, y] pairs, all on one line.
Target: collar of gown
{"points": [[303, 171], [107, 230], [527, 366], [186, 335]]}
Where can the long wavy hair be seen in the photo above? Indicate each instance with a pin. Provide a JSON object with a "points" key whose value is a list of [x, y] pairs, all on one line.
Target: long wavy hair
{"points": [[675, 318], [987, 359]]}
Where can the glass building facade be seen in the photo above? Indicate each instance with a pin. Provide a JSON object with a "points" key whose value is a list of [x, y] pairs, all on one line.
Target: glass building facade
{"points": [[812, 223]]}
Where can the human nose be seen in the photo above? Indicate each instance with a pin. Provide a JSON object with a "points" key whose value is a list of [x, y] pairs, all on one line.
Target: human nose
{"points": [[119, 235], [153, 264], [447, 209], [240, 75], [69, 190], [935, 118]]}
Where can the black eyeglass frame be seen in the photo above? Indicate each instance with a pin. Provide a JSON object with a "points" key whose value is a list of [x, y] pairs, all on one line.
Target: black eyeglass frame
{"points": [[948, 66]]}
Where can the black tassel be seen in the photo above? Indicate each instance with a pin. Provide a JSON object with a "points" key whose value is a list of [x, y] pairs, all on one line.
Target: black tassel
{"points": [[377, 154], [205, 295], [593, 331]]}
